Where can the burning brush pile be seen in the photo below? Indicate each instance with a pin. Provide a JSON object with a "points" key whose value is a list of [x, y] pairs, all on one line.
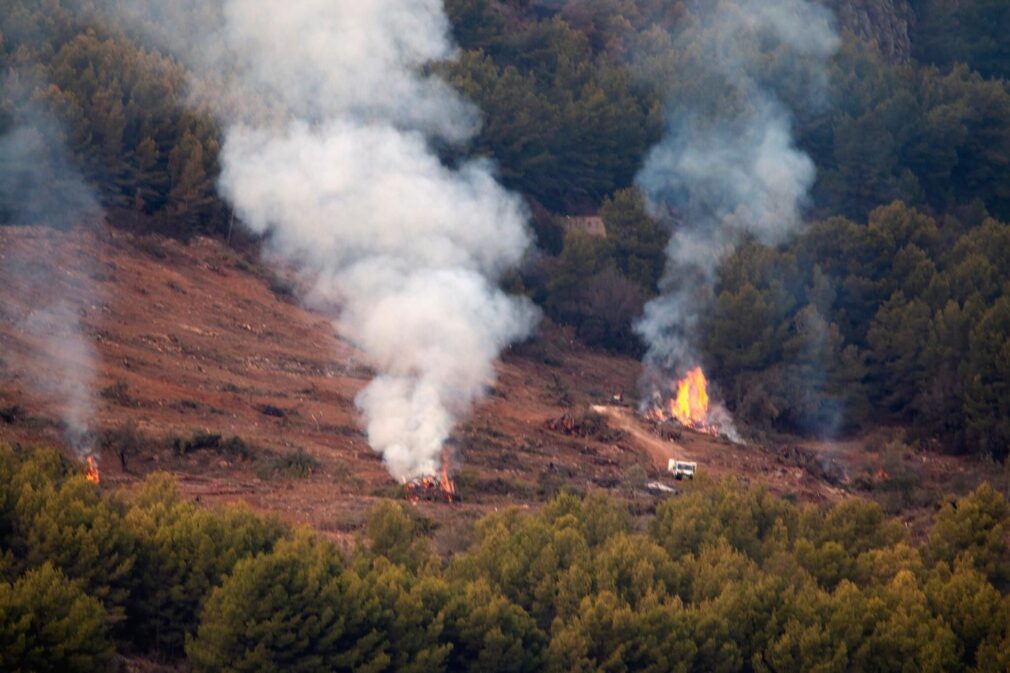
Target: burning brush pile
{"points": [[432, 488], [687, 404]]}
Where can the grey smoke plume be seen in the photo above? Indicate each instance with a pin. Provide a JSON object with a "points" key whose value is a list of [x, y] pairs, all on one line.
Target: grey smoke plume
{"points": [[728, 167], [330, 120], [38, 185], [68, 364]]}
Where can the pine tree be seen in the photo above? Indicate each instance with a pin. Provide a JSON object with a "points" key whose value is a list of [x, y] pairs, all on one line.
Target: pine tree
{"points": [[49, 625]]}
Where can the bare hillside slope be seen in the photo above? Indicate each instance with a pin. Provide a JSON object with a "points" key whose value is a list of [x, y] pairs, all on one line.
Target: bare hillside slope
{"points": [[197, 346]]}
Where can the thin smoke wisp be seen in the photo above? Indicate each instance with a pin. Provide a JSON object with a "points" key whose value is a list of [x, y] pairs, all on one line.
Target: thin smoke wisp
{"points": [[39, 186], [728, 167]]}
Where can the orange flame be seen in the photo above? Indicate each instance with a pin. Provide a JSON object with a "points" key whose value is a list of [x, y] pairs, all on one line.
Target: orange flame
{"points": [[690, 407], [447, 484], [93, 476], [430, 487]]}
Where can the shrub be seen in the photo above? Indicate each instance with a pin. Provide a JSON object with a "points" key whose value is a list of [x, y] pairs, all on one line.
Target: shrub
{"points": [[118, 393], [491, 634], [977, 524], [296, 465], [199, 441], [83, 534], [183, 552], [11, 414], [48, 624], [745, 518], [124, 441], [294, 609], [393, 533]]}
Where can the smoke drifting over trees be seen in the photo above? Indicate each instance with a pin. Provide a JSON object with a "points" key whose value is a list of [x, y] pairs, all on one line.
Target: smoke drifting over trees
{"points": [[728, 167], [39, 186], [37, 183]]}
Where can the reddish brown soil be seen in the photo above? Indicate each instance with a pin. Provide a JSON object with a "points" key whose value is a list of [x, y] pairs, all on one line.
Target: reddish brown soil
{"points": [[198, 338]]}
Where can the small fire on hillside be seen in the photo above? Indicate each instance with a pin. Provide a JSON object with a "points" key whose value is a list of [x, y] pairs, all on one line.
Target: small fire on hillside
{"points": [[432, 488], [92, 474], [688, 404]]}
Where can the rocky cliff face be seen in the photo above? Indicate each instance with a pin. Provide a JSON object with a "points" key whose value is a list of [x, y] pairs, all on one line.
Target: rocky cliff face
{"points": [[885, 23]]}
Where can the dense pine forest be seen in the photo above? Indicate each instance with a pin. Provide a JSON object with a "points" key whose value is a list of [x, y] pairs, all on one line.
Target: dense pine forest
{"points": [[725, 578]]}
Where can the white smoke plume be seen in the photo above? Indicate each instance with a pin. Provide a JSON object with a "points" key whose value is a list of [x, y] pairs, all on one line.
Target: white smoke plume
{"points": [[728, 167], [332, 123], [66, 373], [39, 186]]}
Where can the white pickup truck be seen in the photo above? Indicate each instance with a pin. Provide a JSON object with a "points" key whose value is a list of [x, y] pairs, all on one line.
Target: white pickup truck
{"points": [[682, 469]]}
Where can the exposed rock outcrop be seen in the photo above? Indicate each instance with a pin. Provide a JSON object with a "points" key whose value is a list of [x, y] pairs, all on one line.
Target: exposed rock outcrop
{"points": [[885, 23]]}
